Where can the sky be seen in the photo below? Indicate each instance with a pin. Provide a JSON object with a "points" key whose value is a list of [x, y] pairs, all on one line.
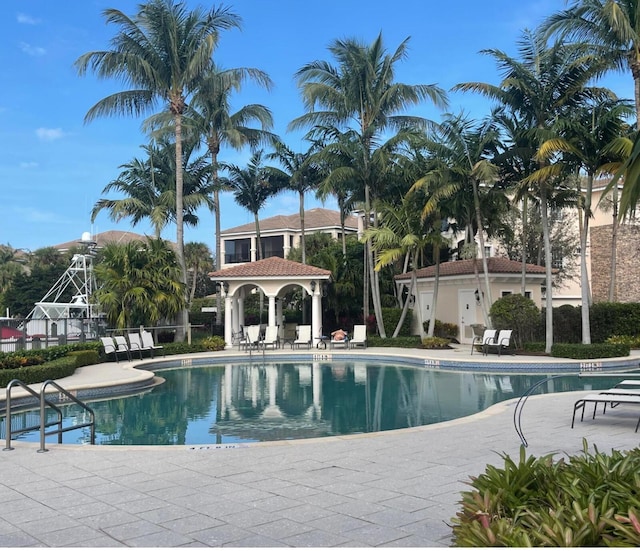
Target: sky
{"points": [[54, 166]]}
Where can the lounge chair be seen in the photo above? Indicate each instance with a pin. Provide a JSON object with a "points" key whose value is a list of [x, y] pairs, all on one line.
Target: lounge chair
{"points": [[478, 333], [238, 337], [604, 398], [253, 337], [488, 337], [110, 347], [344, 342], [135, 344], [303, 337], [359, 336], [502, 342], [289, 334], [147, 342], [270, 337]]}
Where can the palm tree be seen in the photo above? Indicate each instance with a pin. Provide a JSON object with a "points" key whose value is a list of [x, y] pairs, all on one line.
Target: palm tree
{"points": [[361, 90], [139, 283], [149, 190], [541, 88], [198, 258], [253, 185], [611, 27], [303, 175], [162, 52]]}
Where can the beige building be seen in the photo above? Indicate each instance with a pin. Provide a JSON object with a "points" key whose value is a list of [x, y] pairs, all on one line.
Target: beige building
{"points": [[279, 234]]}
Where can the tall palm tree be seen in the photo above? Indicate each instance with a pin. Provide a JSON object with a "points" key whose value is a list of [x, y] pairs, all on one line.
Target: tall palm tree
{"points": [[361, 91], [304, 175], [542, 87], [162, 52], [611, 27], [198, 258], [149, 189], [253, 185]]}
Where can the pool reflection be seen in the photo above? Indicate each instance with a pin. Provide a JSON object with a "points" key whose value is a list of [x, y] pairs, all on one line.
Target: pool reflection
{"points": [[250, 402]]}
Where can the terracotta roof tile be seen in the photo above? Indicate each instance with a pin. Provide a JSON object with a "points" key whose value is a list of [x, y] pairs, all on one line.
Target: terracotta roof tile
{"points": [[273, 266], [101, 239], [496, 265], [314, 220]]}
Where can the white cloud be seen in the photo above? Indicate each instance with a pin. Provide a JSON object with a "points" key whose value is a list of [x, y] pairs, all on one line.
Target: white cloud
{"points": [[28, 164], [49, 134], [27, 19], [32, 50], [36, 215]]}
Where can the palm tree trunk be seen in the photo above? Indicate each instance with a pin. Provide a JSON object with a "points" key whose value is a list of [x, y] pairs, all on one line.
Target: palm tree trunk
{"points": [[548, 270], [523, 273], [184, 314], [216, 206], [258, 241], [405, 306], [373, 279], [436, 286], [485, 267], [614, 246], [584, 279], [303, 244]]}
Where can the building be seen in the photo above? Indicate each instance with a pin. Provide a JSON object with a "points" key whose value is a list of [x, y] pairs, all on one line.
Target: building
{"points": [[279, 234]]}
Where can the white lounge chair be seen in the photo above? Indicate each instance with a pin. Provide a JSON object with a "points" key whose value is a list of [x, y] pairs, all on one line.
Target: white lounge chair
{"points": [[109, 347], [604, 398], [359, 336], [253, 337], [481, 335], [501, 342], [303, 337], [135, 344], [147, 342], [344, 343], [271, 337]]}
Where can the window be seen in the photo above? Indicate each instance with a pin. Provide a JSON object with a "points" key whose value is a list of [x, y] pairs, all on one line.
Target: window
{"points": [[237, 250], [272, 246], [556, 259]]}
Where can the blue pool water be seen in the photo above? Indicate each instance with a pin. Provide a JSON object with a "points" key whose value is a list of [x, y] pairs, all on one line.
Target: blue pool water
{"points": [[249, 402]]}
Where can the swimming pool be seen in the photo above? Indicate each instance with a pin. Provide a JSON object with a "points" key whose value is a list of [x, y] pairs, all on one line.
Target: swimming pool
{"points": [[244, 402]]}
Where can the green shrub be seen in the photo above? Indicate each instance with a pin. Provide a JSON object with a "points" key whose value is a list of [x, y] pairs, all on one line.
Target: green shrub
{"points": [[614, 318], [435, 342], [631, 342], [442, 329], [567, 323], [589, 351], [213, 343], [534, 346], [401, 342], [85, 357], [55, 369], [585, 501], [173, 348], [519, 314], [391, 318]]}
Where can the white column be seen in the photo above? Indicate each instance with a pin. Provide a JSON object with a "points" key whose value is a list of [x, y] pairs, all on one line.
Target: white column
{"points": [[272, 310], [229, 312], [316, 314], [254, 249]]}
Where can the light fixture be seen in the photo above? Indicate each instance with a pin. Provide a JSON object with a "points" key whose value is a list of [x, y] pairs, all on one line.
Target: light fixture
{"points": [[477, 295], [225, 286], [313, 286]]}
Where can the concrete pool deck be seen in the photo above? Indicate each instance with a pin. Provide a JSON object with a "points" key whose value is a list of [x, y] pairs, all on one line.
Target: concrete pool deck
{"points": [[390, 489]]}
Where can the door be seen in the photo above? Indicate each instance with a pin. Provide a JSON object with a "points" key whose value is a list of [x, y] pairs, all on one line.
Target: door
{"points": [[466, 314], [426, 304]]}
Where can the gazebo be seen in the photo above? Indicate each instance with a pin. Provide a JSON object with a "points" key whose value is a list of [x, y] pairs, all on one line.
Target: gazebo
{"points": [[274, 276]]}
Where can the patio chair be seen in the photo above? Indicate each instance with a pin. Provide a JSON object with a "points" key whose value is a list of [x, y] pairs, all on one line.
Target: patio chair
{"points": [[147, 341], [478, 334], [253, 337], [488, 338], [270, 337], [135, 344], [289, 334], [303, 337], [122, 345], [343, 342], [109, 347], [238, 337], [359, 336], [502, 342]]}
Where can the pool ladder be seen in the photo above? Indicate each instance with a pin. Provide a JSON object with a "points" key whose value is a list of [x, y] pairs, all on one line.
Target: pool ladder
{"points": [[43, 424]]}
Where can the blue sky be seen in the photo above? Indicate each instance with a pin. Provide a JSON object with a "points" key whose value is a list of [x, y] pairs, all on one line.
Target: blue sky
{"points": [[53, 167]]}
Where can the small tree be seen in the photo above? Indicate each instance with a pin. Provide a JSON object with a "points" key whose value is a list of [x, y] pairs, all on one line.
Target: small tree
{"points": [[517, 313]]}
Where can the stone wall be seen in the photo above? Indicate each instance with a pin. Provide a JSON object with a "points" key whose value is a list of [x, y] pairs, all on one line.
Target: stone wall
{"points": [[627, 263]]}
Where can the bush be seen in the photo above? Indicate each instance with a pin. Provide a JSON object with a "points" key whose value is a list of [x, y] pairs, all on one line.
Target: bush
{"points": [[585, 501], [614, 318], [567, 323], [400, 342], [55, 369], [391, 318], [631, 342], [519, 314], [589, 351], [85, 357], [213, 343], [442, 329], [435, 342]]}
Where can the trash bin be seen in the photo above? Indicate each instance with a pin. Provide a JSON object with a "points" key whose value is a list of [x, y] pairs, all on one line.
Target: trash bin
{"points": [[62, 340]]}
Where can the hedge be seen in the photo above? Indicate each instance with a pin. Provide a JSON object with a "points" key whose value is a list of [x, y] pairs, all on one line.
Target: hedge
{"points": [[56, 369], [589, 351]]}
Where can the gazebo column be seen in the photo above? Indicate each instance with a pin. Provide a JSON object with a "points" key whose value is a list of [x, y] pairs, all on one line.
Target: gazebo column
{"points": [[240, 309], [229, 314], [272, 310], [316, 314], [279, 312]]}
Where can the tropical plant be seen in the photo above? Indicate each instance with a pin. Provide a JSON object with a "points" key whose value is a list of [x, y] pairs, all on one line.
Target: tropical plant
{"points": [[199, 261], [139, 283], [253, 185], [149, 189], [162, 52], [361, 91]]}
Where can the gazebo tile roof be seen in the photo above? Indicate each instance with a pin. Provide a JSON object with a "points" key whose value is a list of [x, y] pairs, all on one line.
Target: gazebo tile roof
{"points": [[496, 265], [273, 266]]}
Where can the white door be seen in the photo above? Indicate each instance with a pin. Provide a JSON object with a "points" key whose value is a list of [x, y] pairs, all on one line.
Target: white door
{"points": [[466, 314]]}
